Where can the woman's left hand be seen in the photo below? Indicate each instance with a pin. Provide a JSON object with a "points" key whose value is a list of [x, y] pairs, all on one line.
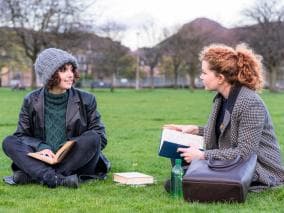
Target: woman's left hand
{"points": [[191, 153]]}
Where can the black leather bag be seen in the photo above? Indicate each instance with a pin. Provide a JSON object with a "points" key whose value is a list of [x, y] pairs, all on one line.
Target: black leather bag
{"points": [[219, 180]]}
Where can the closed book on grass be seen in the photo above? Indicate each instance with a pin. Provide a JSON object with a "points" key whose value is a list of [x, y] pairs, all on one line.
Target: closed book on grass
{"points": [[171, 140], [60, 154], [133, 178]]}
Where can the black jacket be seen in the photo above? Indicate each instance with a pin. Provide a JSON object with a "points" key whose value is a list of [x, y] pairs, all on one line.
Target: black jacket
{"points": [[82, 119]]}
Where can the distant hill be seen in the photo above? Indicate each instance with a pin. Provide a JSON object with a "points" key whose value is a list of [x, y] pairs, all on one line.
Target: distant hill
{"points": [[212, 30], [82, 41], [204, 24]]}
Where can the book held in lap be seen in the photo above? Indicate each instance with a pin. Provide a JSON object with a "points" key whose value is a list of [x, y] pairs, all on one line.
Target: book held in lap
{"points": [[171, 140], [60, 154]]}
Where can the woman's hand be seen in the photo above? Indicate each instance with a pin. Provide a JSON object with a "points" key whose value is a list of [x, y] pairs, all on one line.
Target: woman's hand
{"points": [[191, 153], [192, 129], [47, 152]]}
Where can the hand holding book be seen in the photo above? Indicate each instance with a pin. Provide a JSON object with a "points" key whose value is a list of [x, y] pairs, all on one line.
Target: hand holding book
{"points": [[171, 140], [191, 153], [49, 157], [47, 153]]}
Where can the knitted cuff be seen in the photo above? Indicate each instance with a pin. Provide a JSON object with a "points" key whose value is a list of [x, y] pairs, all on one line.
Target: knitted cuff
{"points": [[43, 146]]}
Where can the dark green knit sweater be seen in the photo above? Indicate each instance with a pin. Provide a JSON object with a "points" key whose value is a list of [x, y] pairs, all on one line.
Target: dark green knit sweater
{"points": [[55, 120]]}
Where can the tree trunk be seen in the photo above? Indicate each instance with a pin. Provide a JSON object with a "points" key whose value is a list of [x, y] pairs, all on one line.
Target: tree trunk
{"points": [[190, 80], [152, 78], [113, 82], [33, 79], [272, 79], [33, 74], [176, 66], [137, 82], [175, 79]]}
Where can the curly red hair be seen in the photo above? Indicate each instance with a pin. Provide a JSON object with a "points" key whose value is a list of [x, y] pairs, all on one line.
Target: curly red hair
{"points": [[239, 66]]}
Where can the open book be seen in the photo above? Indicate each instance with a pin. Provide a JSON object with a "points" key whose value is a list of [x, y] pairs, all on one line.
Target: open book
{"points": [[60, 154], [133, 178], [171, 140]]}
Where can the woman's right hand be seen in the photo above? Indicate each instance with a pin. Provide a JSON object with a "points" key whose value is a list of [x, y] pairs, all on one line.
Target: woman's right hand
{"points": [[192, 129]]}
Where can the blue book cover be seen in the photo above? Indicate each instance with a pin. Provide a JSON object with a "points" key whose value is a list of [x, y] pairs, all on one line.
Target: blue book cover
{"points": [[171, 140], [169, 150]]}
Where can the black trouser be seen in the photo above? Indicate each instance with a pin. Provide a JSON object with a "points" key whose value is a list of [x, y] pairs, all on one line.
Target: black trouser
{"points": [[82, 158]]}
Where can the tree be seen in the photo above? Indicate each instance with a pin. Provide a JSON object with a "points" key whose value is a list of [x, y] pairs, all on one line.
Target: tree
{"points": [[151, 57], [113, 52], [267, 35], [127, 66], [174, 47], [195, 39], [38, 23], [112, 60], [11, 54]]}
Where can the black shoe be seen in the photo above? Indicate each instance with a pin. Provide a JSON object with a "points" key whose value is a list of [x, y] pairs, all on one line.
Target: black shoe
{"points": [[86, 178], [21, 177], [71, 181], [55, 180], [167, 185]]}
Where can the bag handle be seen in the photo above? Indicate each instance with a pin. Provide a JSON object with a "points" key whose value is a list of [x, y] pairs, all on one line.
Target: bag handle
{"points": [[219, 164]]}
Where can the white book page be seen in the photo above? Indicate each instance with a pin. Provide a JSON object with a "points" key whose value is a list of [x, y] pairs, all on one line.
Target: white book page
{"points": [[133, 175], [178, 137]]}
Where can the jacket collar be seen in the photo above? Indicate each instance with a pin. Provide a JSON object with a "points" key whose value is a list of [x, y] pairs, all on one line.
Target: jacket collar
{"points": [[235, 90], [72, 106], [233, 97], [39, 107]]}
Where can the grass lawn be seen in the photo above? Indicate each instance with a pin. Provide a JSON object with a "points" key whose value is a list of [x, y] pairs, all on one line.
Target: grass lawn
{"points": [[133, 120]]}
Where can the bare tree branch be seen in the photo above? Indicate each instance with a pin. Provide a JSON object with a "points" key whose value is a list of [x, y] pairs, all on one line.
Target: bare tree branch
{"points": [[267, 35], [40, 24]]}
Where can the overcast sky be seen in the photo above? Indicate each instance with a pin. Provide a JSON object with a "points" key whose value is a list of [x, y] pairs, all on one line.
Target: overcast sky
{"points": [[166, 13]]}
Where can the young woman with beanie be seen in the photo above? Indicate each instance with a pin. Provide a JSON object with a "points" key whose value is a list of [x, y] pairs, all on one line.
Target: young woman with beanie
{"points": [[239, 123], [49, 117]]}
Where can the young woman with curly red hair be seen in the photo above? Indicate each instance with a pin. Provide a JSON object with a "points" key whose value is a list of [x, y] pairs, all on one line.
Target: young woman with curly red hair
{"points": [[239, 123]]}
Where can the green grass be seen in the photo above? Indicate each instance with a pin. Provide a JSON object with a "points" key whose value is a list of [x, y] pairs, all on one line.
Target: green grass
{"points": [[133, 120]]}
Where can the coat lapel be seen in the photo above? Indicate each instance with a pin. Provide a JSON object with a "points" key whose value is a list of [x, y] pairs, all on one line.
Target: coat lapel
{"points": [[231, 103], [72, 105], [212, 123], [39, 108], [226, 121]]}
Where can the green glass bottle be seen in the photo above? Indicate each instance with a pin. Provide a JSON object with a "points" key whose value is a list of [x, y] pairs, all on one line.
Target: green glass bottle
{"points": [[176, 179]]}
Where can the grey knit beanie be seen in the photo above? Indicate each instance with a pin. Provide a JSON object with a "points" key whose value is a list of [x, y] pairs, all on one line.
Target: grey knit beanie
{"points": [[50, 60]]}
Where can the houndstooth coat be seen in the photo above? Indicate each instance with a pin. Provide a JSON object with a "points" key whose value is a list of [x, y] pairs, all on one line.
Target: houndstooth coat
{"points": [[246, 128]]}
